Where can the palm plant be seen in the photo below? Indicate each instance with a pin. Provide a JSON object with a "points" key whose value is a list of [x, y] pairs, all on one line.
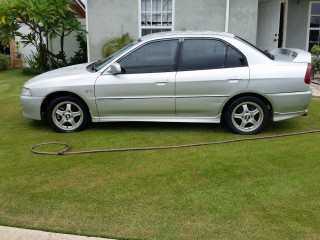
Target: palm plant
{"points": [[115, 44]]}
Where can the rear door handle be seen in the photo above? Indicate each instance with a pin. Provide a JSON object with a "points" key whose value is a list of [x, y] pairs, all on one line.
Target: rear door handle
{"points": [[234, 78], [162, 83]]}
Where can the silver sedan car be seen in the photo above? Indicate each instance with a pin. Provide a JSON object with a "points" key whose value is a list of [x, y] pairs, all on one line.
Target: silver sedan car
{"points": [[198, 77]]}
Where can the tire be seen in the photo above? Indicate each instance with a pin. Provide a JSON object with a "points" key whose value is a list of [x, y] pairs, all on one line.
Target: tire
{"points": [[247, 115], [67, 114]]}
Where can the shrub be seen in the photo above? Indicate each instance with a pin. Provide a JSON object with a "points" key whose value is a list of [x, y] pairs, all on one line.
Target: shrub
{"points": [[80, 56], [38, 63], [4, 62], [115, 44], [315, 50]]}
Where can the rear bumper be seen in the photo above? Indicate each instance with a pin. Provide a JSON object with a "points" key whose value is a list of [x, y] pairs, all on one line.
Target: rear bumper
{"points": [[289, 105]]}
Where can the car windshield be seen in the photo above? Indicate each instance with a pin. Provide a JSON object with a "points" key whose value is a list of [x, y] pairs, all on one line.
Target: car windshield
{"points": [[265, 52], [100, 64]]}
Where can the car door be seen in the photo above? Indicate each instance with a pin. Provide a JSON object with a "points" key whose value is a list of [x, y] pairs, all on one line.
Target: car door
{"points": [[145, 86], [209, 72]]}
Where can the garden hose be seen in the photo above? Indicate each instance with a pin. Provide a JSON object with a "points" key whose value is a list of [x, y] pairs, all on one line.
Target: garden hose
{"points": [[66, 151]]}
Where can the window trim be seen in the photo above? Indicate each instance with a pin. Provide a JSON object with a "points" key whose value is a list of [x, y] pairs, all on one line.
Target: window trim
{"points": [[140, 27], [308, 26]]}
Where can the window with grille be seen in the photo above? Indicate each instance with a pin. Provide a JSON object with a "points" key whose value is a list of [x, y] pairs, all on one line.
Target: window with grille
{"points": [[156, 16], [314, 26]]}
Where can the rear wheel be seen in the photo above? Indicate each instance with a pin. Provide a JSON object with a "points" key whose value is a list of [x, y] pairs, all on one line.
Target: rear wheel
{"points": [[247, 115], [67, 114]]}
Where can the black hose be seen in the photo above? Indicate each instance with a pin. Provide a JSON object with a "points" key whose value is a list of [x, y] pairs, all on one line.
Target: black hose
{"points": [[68, 146]]}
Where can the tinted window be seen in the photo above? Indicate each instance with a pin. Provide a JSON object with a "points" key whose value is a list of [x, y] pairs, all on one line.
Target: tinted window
{"points": [[234, 58], [152, 57], [200, 54]]}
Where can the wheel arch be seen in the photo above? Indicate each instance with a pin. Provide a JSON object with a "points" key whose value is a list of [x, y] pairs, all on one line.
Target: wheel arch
{"points": [[54, 95], [262, 98]]}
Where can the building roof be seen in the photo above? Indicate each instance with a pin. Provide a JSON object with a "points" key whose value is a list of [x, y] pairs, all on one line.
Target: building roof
{"points": [[79, 8]]}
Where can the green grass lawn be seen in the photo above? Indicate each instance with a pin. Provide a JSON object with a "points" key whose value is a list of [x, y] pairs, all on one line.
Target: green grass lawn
{"points": [[266, 189]]}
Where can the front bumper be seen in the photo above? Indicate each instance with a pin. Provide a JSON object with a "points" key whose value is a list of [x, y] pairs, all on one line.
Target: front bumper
{"points": [[31, 107]]}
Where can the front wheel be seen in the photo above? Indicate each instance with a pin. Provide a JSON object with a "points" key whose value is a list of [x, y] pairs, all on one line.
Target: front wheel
{"points": [[247, 115], [67, 114]]}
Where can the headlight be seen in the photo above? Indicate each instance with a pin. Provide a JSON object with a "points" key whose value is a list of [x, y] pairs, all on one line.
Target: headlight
{"points": [[26, 92]]}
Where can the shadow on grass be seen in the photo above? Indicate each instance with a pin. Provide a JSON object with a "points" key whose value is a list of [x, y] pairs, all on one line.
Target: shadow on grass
{"points": [[38, 125], [138, 126], [156, 126], [288, 126]]}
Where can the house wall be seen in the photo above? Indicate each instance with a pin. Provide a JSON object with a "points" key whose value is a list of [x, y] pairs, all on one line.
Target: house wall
{"points": [[243, 19], [297, 24], [25, 51], [200, 15], [110, 18]]}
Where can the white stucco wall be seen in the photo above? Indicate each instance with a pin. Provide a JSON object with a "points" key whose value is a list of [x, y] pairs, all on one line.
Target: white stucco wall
{"points": [[297, 23], [200, 15], [109, 18], [243, 19], [25, 51]]}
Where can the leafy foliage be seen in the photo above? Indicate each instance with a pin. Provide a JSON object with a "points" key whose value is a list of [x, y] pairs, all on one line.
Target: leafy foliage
{"points": [[115, 44], [4, 62], [80, 56], [38, 63], [315, 50], [46, 20]]}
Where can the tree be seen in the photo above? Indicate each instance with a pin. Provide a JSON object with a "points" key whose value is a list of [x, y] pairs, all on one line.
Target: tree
{"points": [[47, 19]]}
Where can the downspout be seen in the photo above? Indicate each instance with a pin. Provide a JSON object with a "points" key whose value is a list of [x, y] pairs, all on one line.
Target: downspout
{"points": [[226, 27], [87, 28]]}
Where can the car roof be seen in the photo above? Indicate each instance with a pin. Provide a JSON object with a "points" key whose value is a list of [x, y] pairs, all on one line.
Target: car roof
{"points": [[186, 34]]}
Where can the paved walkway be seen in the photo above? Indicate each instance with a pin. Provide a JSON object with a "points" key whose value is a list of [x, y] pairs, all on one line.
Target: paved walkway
{"points": [[315, 89], [10, 233]]}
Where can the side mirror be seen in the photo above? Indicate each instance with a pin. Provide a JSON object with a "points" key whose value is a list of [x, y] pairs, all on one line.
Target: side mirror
{"points": [[115, 68]]}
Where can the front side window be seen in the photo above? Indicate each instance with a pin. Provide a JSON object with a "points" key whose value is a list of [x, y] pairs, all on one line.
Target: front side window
{"points": [[156, 16], [203, 54], [153, 57]]}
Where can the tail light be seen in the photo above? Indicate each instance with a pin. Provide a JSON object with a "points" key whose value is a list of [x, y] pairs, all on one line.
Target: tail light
{"points": [[307, 78]]}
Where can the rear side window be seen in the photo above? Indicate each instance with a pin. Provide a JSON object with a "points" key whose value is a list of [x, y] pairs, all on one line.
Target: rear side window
{"points": [[234, 58], [202, 54]]}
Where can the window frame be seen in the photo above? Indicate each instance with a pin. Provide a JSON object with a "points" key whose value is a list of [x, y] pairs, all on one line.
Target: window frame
{"points": [[309, 21], [154, 27], [215, 39]]}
